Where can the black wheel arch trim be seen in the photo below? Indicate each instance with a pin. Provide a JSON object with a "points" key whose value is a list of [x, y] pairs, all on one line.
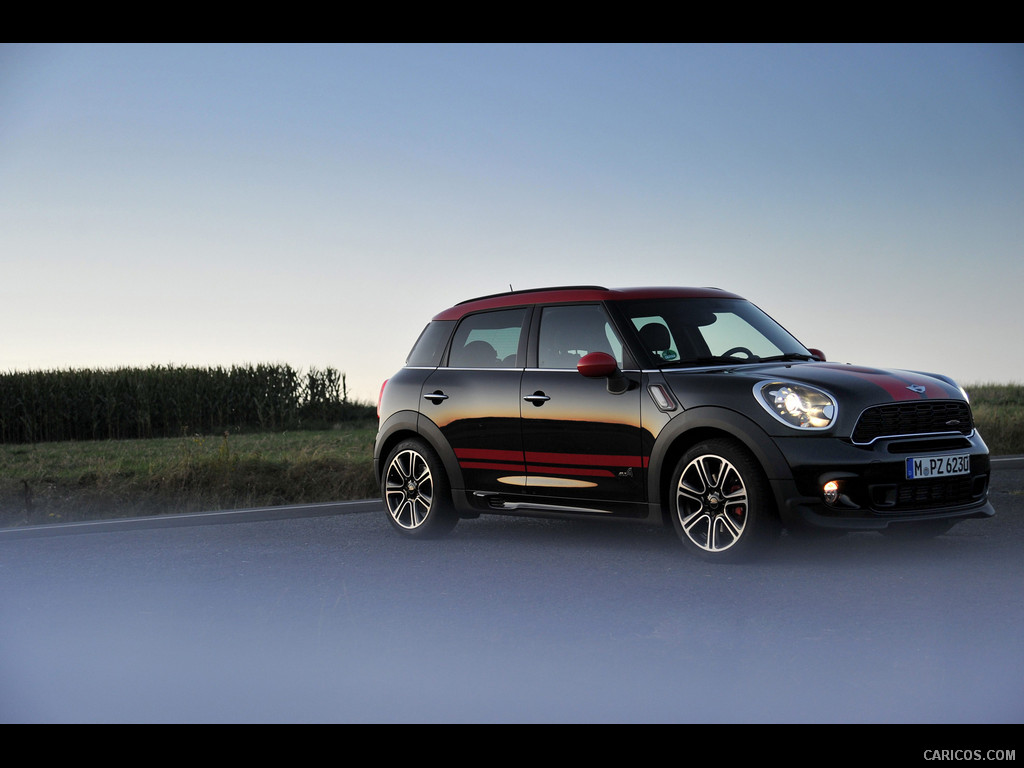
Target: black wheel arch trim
{"points": [[390, 432], [695, 424], [404, 424]]}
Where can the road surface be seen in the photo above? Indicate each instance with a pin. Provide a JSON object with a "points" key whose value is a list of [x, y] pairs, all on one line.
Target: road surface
{"points": [[323, 614]]}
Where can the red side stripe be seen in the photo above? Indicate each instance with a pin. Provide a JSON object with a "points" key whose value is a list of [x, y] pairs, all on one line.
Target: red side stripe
{"points": [[487, 454], [594, 465], [487, 465]]}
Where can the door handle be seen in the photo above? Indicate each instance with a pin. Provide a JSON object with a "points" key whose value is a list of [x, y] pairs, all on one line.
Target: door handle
{"points": [[538, 398], [436, 397]]}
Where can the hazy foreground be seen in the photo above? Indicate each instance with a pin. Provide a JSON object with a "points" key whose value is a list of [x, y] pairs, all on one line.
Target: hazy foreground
{"points": [[334, 618]]}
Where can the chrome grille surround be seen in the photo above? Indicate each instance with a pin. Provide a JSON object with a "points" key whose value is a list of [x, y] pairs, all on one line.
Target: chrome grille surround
{"points": [[911, 418]]}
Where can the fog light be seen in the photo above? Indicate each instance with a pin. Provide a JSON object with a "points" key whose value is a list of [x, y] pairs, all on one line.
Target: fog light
{"points": [[830, 492]]}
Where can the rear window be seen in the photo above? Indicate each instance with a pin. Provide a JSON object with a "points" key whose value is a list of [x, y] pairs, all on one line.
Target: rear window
{"points": [[427, 351]]}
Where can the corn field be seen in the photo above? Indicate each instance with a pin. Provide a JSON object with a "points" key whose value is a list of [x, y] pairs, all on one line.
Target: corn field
{"points": [[169, 401]]}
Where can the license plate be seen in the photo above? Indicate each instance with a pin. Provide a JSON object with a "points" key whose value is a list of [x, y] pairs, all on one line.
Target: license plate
{"points": [[938, 466]]}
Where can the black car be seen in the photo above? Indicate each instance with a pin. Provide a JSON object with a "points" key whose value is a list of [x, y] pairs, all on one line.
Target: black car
{"points": [[688, 405]]}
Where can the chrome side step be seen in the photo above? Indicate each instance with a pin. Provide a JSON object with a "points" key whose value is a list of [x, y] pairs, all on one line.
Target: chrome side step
{"points": [[496, 501]]}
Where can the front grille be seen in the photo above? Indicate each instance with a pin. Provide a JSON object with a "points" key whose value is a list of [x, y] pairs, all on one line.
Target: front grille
{"points": [[920, 417]]}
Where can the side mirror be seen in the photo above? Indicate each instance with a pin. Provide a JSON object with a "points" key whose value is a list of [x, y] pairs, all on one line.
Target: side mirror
{"points": [[817, 353], [601, 365]]}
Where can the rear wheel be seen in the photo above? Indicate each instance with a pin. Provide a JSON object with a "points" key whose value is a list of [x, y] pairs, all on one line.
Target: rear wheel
{"points": [[416, 492], [720, 502]]}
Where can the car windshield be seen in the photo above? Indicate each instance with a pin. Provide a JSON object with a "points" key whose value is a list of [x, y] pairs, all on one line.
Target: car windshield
{"points": [[686, 332]]}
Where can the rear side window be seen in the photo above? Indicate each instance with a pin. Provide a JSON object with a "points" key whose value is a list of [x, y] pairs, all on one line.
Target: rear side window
{"points": [[427, 351], [488, 340]]}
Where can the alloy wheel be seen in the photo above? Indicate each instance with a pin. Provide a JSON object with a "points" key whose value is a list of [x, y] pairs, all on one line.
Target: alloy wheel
{"points": [[409, 489], [711, 503]]}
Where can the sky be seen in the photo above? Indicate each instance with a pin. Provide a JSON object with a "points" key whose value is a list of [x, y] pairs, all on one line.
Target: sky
{"points": [[315, 205]]}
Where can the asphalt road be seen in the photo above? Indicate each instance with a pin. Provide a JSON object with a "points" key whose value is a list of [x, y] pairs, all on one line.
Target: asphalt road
{"points": [[324, 615]]}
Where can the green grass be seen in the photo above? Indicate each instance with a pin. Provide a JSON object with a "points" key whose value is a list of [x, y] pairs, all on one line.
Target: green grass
{"points": [[999, 416], [70, 481]]}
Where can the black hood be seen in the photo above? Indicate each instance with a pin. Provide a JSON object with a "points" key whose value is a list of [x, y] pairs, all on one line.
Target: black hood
{"points": [[851, 383]]}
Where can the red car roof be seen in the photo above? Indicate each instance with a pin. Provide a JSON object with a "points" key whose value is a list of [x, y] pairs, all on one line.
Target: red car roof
{"points": [[576, 293]]}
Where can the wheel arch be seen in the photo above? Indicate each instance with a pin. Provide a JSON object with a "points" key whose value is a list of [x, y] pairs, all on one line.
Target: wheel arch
{"points": [[698, 424], [408, 424]]}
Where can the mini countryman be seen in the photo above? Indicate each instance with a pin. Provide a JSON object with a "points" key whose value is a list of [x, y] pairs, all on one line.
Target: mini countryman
{"points": [[687, 407]]}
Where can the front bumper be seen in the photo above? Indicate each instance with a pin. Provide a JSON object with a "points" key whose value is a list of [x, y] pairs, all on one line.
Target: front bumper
{"points": [[873, 487]]}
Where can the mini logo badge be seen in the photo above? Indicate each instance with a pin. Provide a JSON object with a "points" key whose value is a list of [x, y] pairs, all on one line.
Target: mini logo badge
{"points": [[916, 388]]}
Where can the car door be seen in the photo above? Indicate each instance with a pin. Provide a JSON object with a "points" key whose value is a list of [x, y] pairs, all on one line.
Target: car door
{"points": [[474, 398], [582, 442]]}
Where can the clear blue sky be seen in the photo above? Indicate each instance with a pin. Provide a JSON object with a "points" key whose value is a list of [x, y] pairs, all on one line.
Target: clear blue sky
{"points": [[316, 204]]}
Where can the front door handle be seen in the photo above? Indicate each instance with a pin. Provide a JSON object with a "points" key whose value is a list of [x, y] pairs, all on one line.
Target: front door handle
{"points": [[538, 398]]}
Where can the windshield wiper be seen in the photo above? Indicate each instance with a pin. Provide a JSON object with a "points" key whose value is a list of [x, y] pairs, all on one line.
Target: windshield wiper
{"points": [[788, 356], [714, 360], [730, 360]]}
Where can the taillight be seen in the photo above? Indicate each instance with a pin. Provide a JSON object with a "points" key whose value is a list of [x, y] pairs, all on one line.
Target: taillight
{"points": [[381, 397]]}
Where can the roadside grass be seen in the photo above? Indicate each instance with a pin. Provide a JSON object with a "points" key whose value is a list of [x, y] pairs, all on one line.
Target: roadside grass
{"points": [[73, 481], [81, 480], [999, 416]]}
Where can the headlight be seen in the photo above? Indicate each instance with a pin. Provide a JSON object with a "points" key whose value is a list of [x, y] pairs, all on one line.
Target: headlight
{"points": [[797, 405]]}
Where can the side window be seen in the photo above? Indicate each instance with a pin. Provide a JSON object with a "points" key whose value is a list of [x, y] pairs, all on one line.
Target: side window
{"points": [[488, 340], [656, 338], [568, 333]]}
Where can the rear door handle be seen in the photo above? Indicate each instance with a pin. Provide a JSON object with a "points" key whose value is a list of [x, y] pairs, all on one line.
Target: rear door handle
{"points": [[436, 397]]}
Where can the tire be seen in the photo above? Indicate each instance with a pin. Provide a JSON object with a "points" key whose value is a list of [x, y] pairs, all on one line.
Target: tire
{"points": [[416, 492], [720, 502]]}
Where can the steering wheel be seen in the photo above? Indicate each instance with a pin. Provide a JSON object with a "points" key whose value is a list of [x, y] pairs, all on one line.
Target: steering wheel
{"points": [[740, 351]]}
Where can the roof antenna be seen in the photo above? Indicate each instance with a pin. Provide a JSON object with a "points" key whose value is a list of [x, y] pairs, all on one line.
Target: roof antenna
{"points": [[510, 289]]}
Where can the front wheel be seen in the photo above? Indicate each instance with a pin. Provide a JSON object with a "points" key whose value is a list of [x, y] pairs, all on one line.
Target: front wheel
{"points": [[416, 492], [720, 501]]}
